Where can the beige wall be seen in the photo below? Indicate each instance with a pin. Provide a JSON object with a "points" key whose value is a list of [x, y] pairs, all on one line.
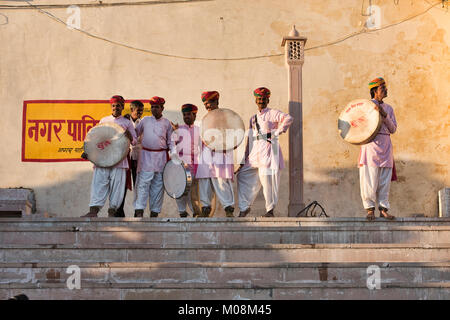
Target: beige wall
{"points": [[42, 59]]}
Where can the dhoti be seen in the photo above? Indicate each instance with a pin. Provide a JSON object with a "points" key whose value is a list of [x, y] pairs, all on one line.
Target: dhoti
{"points": [[108, 181], [149, 184], [375, 183], [249, 182], [222, 187]]}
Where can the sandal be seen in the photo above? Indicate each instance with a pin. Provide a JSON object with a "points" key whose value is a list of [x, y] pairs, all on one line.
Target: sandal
{"points": [[384, 214], [370, 214]]}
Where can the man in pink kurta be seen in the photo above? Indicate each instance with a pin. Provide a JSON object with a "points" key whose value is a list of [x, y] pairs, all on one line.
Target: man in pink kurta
{"points": [[376, 160], [156, 134], [187, 141], [111, 180], [263, 160], [215, 169]]}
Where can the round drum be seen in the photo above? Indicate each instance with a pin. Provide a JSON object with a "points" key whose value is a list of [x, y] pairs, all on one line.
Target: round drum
{"points": [[222, 129], [106, 144], [177, 179], [359, 122]]}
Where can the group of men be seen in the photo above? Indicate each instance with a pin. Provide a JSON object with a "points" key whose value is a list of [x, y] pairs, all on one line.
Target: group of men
{"points": [[155, 140]]}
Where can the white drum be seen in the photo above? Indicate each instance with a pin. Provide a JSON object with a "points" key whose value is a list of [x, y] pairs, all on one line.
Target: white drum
{"points": [[222, 129], [177, 179], [106, 145], [359, 122]]}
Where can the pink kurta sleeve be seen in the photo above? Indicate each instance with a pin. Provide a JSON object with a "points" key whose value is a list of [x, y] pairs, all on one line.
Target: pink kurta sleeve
{"points": [[285, 120]]}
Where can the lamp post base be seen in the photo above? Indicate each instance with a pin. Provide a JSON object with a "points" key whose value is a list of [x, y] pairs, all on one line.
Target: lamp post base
{"points": [[295, 208]]}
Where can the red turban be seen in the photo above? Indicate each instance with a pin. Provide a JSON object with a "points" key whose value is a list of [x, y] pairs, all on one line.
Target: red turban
{"points": [[157, 101], [117, 99], [210, 95], [189, 107], [262, 92]]}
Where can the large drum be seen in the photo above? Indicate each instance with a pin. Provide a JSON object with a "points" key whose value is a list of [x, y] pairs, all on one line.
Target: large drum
{"points": [[222, 129], [359, 122], [106, 145], [177, 179]]}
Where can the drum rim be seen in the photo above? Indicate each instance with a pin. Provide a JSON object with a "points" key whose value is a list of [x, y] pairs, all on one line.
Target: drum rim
{"points": [[223, 150], [376, 131], [108, 124], [188, 177]]}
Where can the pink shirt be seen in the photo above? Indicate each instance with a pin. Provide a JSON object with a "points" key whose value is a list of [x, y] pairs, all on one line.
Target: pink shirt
{"points": [[379, 152], [261, 153], [126, 125], [156, 135], [188, 142], [215, 164]]}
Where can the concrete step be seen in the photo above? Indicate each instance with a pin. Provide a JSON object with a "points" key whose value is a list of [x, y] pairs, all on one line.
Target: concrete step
{"points": [[226, 253], [287, 235], [227, 281], [80, 232], [222, 275], [222, 222], [423, 293]]}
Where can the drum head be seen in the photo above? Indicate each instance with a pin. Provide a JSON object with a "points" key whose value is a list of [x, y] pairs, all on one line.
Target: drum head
{"points": [[106, 144], [222, 129], [175, 179], [359, 122]]}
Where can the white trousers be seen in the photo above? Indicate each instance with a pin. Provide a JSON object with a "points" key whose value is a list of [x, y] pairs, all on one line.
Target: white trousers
{"points": [[250, 180], [183, 202], [375, 183], [222, 187], [149, 184], [108, 181]]}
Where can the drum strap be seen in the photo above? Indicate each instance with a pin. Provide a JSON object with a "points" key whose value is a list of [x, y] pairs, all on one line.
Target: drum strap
{"points": [[158, 150], [261, 136]]}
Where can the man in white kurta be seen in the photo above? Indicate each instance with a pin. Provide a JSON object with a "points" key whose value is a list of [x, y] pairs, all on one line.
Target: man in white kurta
{"points": [[376, 159], [187, 141], [156, 134], [215, 170], [263, 160], [111, 180], [137, 109]]}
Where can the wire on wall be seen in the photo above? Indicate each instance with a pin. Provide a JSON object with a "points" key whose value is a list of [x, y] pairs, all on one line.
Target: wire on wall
{"points": [[50, 15]]}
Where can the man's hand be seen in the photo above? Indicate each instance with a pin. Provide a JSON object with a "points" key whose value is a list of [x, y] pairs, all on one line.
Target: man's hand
{"points": [[380, 109], [174, 126], [128, 135], [84, 156], [239, 169]]}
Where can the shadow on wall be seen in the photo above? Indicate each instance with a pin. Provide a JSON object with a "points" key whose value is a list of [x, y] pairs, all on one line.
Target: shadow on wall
{"points": [[336, 189]]}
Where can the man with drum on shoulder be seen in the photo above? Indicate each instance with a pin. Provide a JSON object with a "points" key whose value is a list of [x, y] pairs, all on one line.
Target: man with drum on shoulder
{"points": [[156, 134], [111, 180], [376, 160], [215, 169], [137, 110], [187, 140], [263, 158]]}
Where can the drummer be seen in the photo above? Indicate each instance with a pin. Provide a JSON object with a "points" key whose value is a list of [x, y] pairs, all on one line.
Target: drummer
{"points": [[111, 180], [187, 140], [215, 169], [263, 158], [376, 160], [156, 134], [137, 110]]}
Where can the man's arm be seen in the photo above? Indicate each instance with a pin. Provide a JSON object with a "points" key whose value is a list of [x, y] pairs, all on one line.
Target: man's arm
{"points": [[284, 122]]}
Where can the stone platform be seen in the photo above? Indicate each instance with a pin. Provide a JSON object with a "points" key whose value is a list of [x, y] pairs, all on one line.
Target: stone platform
{"points": [[223, 258]]}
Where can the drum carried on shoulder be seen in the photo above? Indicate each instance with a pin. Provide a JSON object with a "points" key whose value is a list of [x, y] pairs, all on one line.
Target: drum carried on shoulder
{"points": [[106, 145], [359, 122]]}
